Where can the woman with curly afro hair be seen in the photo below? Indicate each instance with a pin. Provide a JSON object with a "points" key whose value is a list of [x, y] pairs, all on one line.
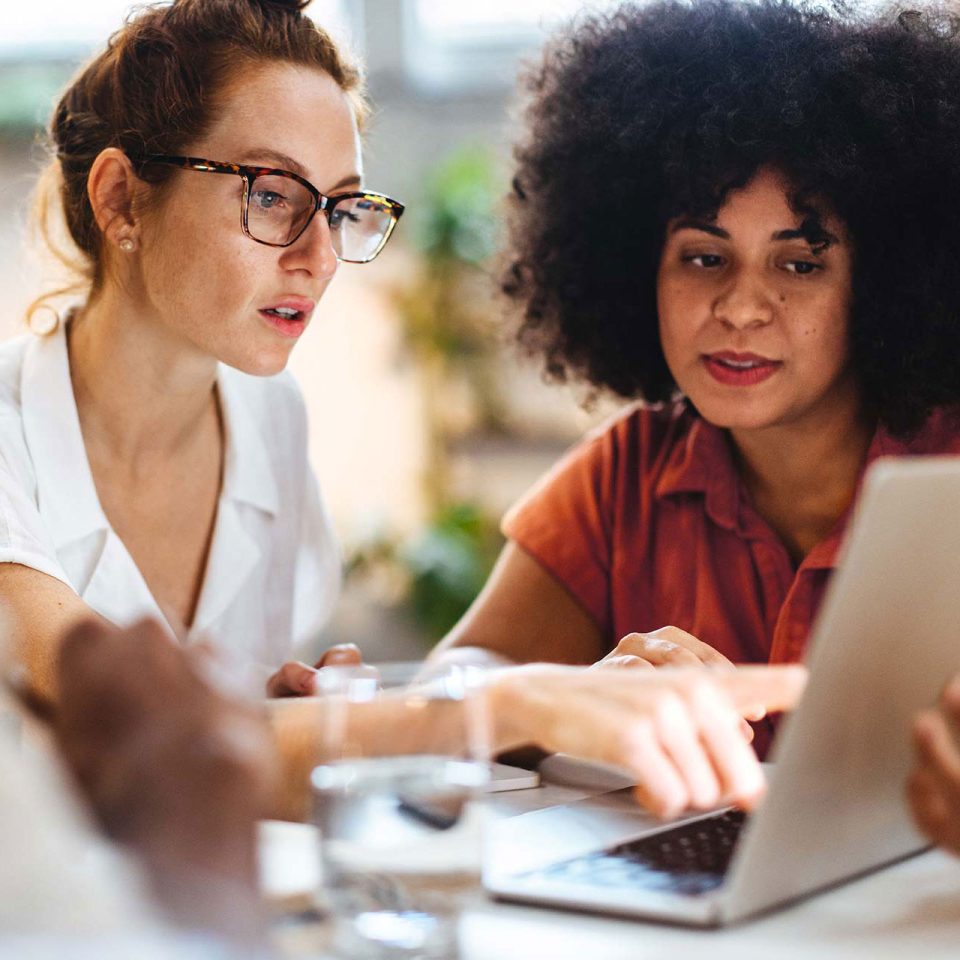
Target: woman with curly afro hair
{"points": [[746, 217]]}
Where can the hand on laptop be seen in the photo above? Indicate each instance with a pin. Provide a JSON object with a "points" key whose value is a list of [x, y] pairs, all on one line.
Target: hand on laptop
{"points": [[666, 647], [677, 730], [670, 647], [934, 786], [296, 679]]}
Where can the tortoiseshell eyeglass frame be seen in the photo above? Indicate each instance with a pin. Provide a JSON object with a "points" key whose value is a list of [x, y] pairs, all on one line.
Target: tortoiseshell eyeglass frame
{"points": [[249, 174]]}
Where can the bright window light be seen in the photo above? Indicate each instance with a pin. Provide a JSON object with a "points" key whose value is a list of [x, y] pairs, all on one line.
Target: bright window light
{"points": [[68, 28], [496, 19], [456, 48]]}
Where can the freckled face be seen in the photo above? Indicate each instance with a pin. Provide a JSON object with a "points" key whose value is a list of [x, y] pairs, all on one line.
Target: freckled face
{"points": [[204, 280], [753, 320]]}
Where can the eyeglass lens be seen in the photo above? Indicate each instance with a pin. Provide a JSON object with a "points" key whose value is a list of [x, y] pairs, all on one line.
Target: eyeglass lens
{"points": [[279, 207]]}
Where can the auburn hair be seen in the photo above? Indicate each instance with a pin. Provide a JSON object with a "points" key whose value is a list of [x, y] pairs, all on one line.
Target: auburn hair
{"points": [[156, 88]]}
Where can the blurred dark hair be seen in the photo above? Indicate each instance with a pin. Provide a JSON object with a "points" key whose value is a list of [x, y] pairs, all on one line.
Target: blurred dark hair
{"points": [[658, 110]]}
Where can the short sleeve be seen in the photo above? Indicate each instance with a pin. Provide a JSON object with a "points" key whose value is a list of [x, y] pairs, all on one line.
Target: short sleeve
{"points": [[24, 538], [565, 524], [318, 571]]}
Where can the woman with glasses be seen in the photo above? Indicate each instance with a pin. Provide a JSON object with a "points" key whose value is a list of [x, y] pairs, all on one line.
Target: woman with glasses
{"points": [[153, 453], [746, 217]]}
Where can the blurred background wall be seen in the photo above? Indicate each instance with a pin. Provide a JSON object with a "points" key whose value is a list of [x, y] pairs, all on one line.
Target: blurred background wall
{"points": [[425, 422]]}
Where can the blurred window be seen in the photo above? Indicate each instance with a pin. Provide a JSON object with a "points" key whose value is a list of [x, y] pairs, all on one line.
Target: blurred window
{"points": [[64, 29], [458, 48], [41, 47]]}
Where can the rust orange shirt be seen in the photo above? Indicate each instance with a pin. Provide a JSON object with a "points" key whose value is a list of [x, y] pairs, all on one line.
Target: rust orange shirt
{"points": [[647, 524]]}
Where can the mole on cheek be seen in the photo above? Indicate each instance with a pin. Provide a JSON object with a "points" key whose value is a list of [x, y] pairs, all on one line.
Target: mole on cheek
{"points": [[783, 298]]}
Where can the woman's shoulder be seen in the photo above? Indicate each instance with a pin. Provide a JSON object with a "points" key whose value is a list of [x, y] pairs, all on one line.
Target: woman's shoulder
{"points": [[625, 453], [18, 475], [12, 355], [642, 434], [14, 455]]}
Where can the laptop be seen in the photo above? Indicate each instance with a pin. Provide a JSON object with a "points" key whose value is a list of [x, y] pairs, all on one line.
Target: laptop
{"points": [[885, 643]]}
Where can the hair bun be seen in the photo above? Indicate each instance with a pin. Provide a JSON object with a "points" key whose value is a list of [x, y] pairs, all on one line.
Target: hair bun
{"points": [[293, 6], [268, 6]]}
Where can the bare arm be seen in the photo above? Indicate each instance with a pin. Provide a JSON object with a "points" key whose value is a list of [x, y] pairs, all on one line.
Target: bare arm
{"points": [[677, 731], [39, 611], [522, 615]]}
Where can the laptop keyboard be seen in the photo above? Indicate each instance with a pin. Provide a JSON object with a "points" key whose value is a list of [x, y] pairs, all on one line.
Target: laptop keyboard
{"points": [[691, 859]]}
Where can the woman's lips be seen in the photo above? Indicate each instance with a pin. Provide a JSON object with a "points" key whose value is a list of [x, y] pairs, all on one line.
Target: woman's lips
{"points": [[287, 327], [740, 369], [289, 315]]}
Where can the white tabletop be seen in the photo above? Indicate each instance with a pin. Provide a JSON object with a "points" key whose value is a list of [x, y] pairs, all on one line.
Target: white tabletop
{"points": [[910, 911]]}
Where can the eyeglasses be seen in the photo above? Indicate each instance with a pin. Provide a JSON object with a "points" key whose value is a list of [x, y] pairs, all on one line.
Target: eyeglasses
{"points": [[277, 206]]}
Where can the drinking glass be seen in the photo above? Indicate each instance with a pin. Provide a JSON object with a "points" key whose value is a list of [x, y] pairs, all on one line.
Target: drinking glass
{"points": [[397, 801]]}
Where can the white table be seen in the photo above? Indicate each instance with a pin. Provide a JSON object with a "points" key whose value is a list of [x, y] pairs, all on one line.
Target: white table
{"points": [[910, 911]]}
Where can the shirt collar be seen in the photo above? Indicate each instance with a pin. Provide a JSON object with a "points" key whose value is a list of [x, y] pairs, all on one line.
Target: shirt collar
{"points": [[702, 462], [66, 493], [248, 473]]}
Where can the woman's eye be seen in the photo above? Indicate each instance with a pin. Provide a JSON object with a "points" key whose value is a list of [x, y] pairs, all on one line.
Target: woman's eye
{"points": [[709, 261], [338, 216], [802, 267], [267, 199]]}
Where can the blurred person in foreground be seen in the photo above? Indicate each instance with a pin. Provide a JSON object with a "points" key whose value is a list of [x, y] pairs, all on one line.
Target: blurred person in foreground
{"points": [[172, 772], [745, 217], [177, 774]]}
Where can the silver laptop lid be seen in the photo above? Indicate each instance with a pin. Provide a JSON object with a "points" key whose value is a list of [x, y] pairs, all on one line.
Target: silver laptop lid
{"points": [[886, 641]]}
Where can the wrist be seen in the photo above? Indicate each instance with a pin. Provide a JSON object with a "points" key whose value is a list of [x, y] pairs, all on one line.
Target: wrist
{"points": [[514, 709]]}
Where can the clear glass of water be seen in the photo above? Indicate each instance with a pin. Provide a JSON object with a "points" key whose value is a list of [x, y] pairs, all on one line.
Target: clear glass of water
{"points": [[397, 801]]}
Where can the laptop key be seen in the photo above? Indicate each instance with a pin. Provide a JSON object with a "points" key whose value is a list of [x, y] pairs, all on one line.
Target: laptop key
{"points": [[690, 859]]}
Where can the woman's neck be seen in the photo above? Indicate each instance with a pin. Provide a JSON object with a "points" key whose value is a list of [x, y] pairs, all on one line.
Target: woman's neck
{"points": [[802, 477], [142, 394]]}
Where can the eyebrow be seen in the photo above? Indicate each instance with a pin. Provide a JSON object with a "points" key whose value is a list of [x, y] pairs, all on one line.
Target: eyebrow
{"points": [[285, 162], [345, 181], [274, 156], [691, 223]]}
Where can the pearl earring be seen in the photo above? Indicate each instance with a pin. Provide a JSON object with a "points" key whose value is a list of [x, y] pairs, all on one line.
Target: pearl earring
{"points": [[127, 245], [43, 321]]}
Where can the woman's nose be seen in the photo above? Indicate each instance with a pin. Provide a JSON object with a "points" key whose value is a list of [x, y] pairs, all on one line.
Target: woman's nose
{"points": [[313, 250], [745, 302]]}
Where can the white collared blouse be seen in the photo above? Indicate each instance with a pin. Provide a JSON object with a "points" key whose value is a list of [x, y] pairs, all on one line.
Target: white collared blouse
{"points": [[273, 571]]}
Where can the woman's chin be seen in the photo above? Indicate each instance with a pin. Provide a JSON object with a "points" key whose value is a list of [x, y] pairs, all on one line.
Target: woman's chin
{"points": [[258, 363], [744, 416]]}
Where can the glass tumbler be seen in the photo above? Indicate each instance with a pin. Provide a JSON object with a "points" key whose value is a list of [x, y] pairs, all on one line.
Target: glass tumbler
{"points": [[397, 801]]}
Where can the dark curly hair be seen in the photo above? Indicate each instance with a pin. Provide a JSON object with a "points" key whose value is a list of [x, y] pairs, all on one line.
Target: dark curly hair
{"points": [[658, 110]]}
